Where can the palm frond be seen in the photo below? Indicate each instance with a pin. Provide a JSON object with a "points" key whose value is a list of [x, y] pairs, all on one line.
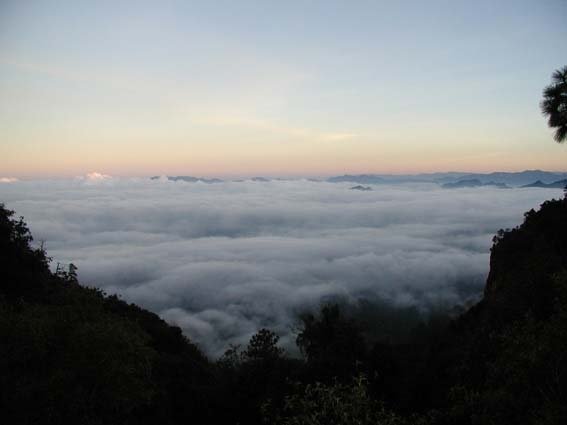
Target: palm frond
{"points": [[560, 134], [559, 76], [554, 104]]}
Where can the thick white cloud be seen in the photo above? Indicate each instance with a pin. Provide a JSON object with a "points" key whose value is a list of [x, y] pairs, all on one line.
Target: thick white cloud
{"points": [[221, 260]]}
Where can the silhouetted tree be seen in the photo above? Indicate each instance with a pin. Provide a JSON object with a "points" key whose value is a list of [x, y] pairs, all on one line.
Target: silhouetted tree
{"points": [[263, 346], [68, 274], [554, 104], [332, 344]]}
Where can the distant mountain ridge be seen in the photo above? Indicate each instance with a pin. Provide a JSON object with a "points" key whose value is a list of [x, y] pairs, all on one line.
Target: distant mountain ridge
{"points": [[515, 179], [559, 184], [520, 178], [451, 179], [361, 178], [473, 183], [394, 178], [189, 179]]}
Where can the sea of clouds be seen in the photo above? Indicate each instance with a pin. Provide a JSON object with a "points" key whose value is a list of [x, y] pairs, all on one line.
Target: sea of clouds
{"points": [[222, 260]]}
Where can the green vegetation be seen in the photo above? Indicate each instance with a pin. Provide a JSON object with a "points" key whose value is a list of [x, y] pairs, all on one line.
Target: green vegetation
{"points": [[70, 354], [319, 404], [73, 355]]}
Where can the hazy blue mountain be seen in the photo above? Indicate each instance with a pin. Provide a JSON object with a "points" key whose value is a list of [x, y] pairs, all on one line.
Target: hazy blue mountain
{"points": [[361, 178], [472, 183], [452, 179], [520, 178], [359, 187], [397, 178], [560, 184], [423, 177], [189, 179], [497, 178]]}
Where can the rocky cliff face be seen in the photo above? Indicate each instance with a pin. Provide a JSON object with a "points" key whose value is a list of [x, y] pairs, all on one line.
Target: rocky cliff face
{"points": [[503, 360], [524, 261]]}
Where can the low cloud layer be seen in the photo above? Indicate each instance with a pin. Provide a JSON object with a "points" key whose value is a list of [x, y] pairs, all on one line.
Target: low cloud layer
{"points": [[223, 260]]}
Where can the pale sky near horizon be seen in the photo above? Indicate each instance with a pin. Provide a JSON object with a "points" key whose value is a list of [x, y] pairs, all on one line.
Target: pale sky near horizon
{"points": [[223, 88]]}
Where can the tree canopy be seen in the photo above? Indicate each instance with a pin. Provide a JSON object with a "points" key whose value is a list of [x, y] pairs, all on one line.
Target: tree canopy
{"points": [[554, 104]]}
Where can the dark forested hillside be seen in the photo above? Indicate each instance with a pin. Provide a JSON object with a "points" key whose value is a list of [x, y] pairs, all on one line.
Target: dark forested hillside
{"points": [[505, 358], [71, 354]]}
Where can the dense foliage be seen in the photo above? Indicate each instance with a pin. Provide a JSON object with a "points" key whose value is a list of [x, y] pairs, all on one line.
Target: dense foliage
{"points": [[554, 104], [72, 354]]}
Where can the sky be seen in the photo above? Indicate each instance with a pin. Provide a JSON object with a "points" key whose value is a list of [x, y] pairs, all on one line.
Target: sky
{"points": [[242, 88], [224, 260]]}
